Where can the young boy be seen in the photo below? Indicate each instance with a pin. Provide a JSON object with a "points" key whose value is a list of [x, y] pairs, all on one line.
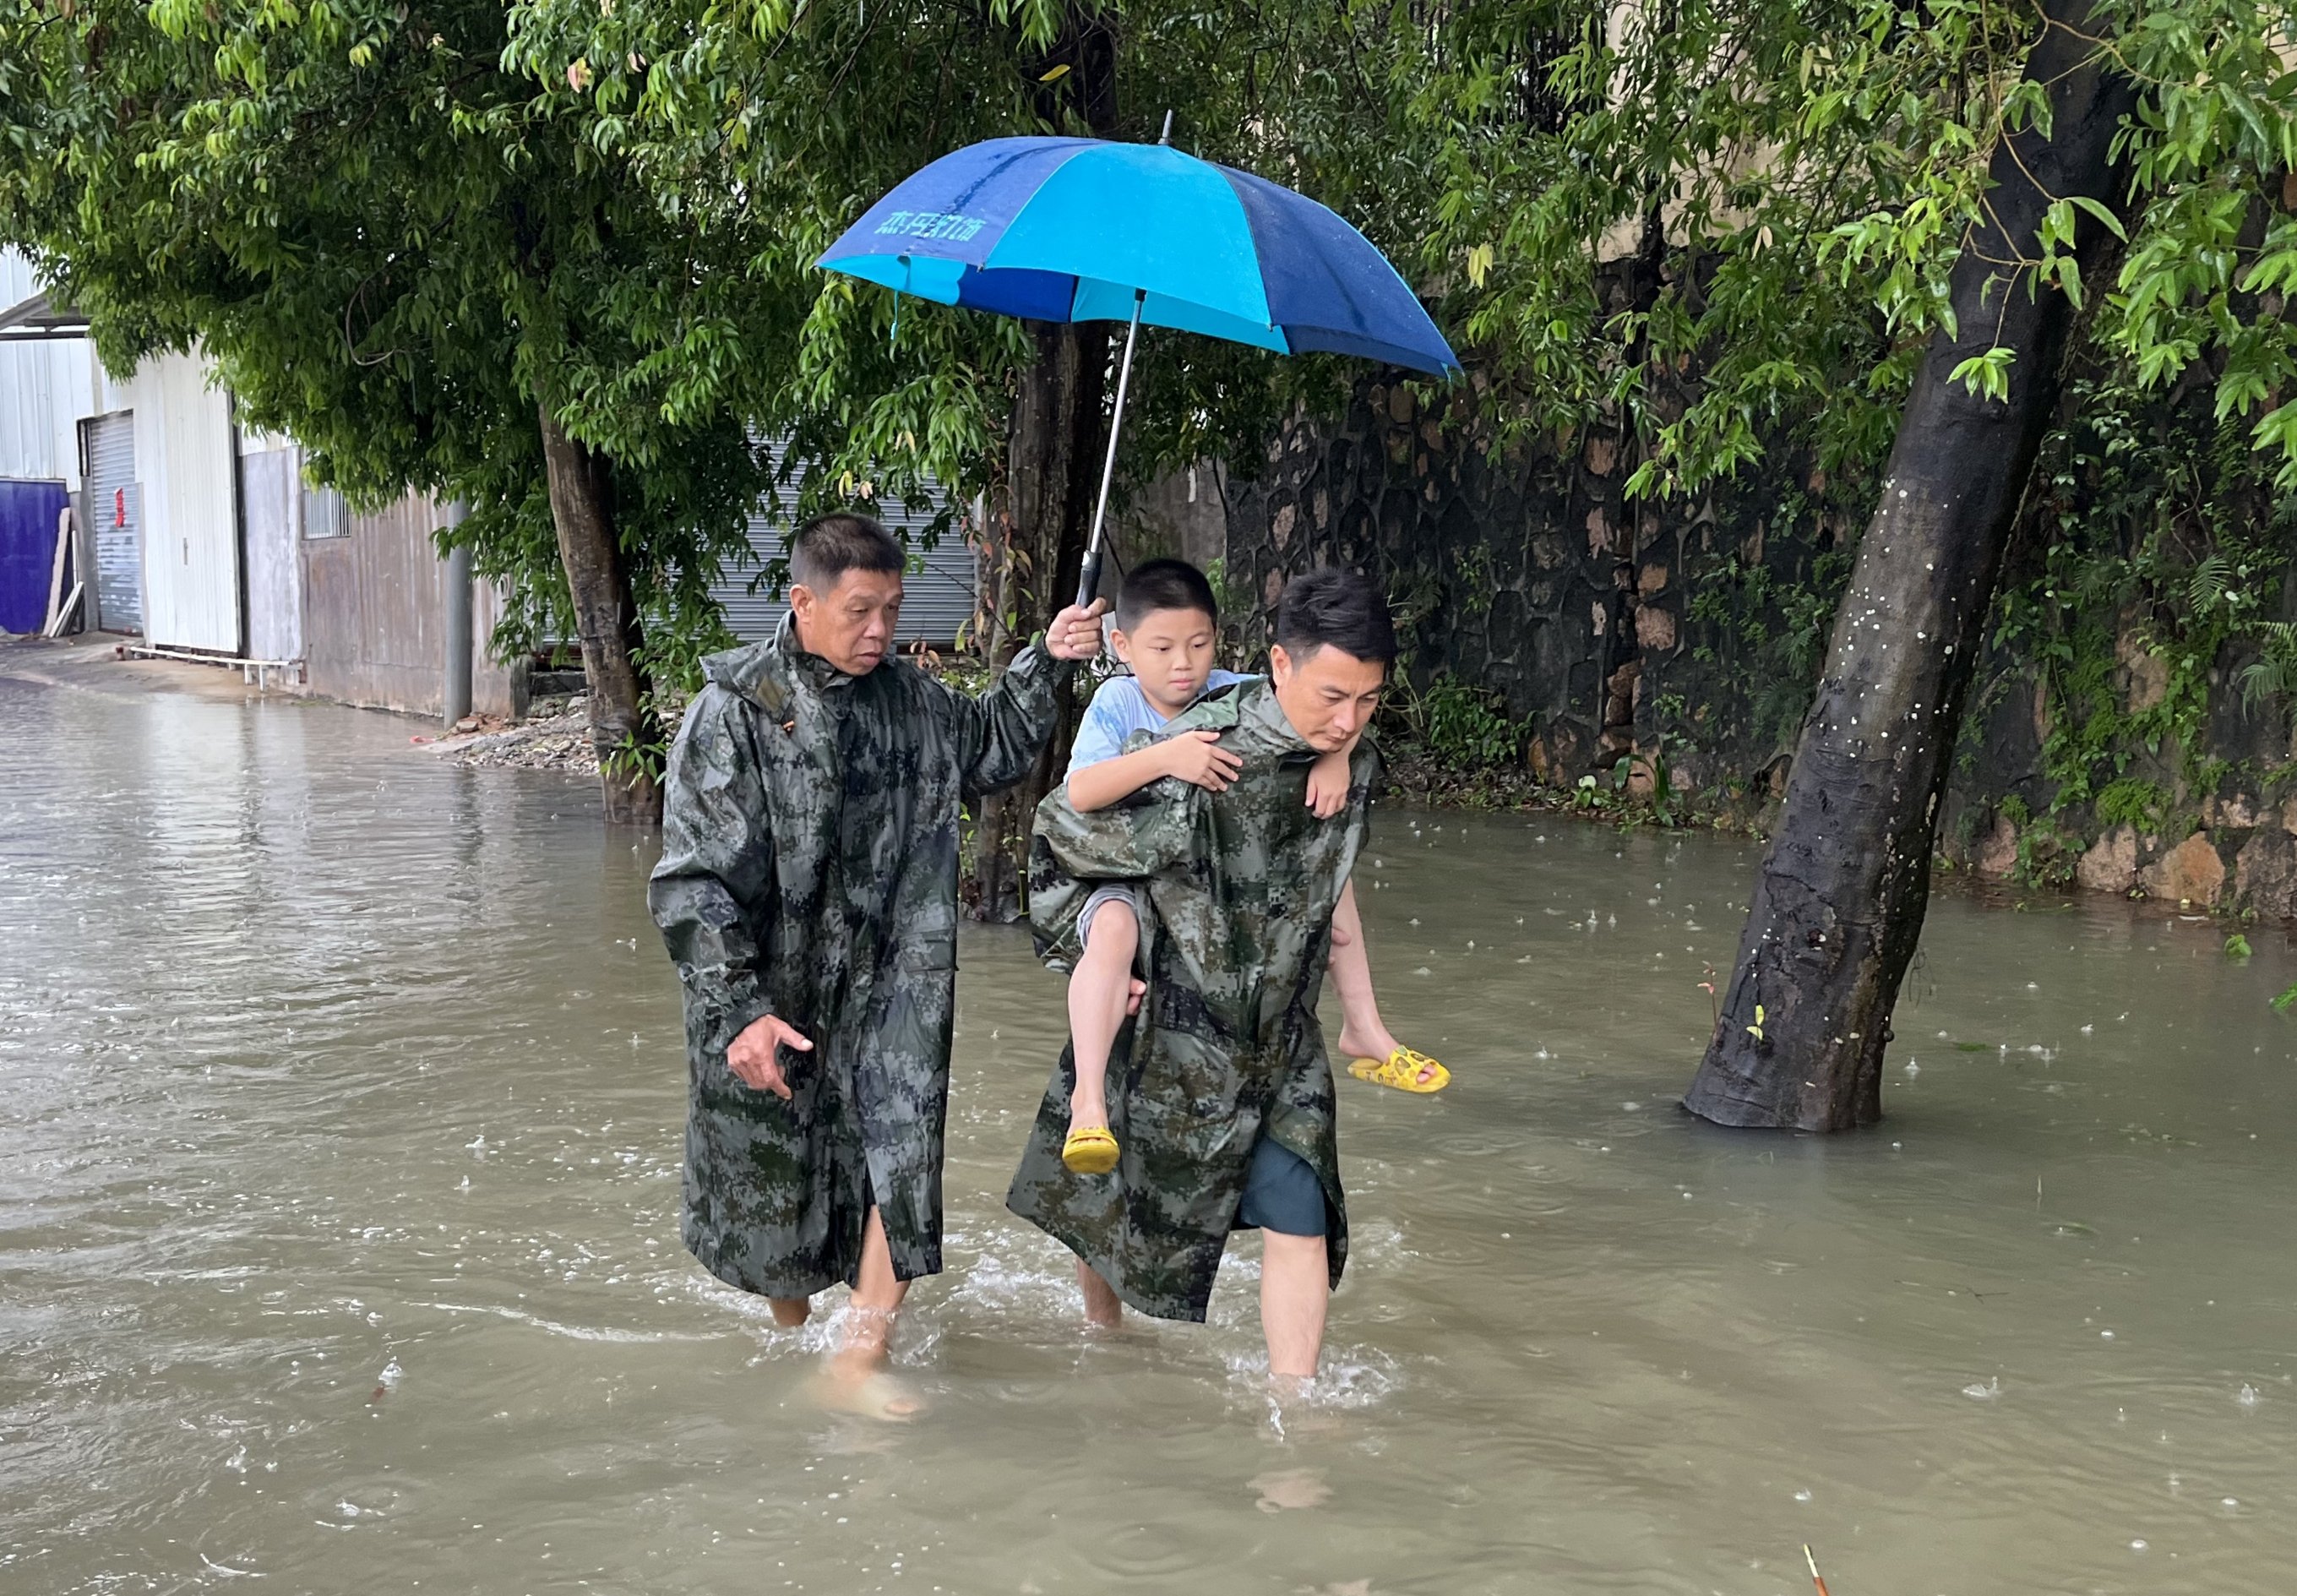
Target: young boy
{"points": [[1167, 626]]}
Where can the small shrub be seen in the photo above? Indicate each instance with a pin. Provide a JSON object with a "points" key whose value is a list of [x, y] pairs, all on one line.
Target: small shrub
{"points": [[1463, 728]]}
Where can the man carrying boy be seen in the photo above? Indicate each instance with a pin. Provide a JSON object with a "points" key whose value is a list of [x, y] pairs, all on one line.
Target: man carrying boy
{"points": [[808, 894], [1225, 1120], [1167, 630]]}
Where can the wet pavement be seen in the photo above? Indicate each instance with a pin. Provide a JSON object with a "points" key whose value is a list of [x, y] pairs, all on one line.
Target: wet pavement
{"points": [[340, 1100]]}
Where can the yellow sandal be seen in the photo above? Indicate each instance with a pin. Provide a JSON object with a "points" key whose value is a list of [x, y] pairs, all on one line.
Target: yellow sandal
{"points": [[1089, 1150], [1400, 1070]]}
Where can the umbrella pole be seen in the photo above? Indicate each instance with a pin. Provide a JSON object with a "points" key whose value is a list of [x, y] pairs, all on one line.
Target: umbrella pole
{"points": [[1088, 583]]}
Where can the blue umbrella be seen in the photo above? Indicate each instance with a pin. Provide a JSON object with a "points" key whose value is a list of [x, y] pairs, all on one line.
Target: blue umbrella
{"points": [[1080, 229]]}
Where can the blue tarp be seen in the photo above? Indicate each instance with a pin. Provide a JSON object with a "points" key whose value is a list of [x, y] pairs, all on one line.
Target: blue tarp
{"points": [[27, 552]]}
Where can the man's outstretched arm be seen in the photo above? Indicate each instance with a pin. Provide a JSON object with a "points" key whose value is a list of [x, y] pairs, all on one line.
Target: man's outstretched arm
{"points": [[1002, 734]]}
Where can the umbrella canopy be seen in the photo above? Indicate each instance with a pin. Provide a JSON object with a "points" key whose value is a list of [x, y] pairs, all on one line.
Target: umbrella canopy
{"points": [[1080, 229]]}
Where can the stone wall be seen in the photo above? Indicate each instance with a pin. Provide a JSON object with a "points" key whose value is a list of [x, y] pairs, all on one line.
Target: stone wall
{"points": [[1512, 574], [1694, 631], [1528, 573], [2232, 849]]}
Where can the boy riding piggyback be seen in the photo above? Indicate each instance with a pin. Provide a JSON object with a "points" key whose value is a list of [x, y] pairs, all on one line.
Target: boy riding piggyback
{"points": [[1167, 630]]}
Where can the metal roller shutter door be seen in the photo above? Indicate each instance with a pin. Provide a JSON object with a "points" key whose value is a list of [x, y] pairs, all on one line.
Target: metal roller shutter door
{"points": [[937, 601], [114, 503]]}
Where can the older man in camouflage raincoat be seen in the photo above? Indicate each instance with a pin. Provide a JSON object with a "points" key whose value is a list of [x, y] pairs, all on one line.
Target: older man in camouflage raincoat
{"points": [[1226, 1053], [808, 893]]}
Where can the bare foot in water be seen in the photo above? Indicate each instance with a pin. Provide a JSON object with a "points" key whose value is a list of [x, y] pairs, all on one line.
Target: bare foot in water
{"points": [[857, 1385], [854, 1380], [1291, 1488]]}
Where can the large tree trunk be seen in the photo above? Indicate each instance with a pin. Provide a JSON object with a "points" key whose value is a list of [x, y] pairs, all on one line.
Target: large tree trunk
{"points": [[1838, 909], [1057, 436], [606, 615]]}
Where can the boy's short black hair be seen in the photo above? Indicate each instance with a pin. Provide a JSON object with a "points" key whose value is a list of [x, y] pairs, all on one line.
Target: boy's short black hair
{"points": [[828, 546], [1331, 607], [1155, 585]]}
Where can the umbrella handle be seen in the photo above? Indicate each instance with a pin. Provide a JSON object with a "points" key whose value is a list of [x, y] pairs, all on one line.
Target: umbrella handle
{"points": [[1089, 584]]}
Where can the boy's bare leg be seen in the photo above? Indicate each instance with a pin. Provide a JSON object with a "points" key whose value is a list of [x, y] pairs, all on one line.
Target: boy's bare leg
{"points": [[1103, 1306], [857, 1378], [1295, 1285], [790, 1312], [1099, 993]]}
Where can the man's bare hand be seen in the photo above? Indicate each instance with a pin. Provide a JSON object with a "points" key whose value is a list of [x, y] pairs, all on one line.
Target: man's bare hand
{"points": [[1133, 993], [1075, 633], [1197, 758], [755, 1058]]}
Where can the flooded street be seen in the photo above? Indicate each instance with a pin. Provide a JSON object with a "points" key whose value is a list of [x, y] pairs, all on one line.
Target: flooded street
{"points": [[340, 1105]]}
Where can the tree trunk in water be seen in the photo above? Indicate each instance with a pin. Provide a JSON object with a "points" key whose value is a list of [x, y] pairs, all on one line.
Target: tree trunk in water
{"points": [[1057, 436], [582, 509], [1838, 909]]}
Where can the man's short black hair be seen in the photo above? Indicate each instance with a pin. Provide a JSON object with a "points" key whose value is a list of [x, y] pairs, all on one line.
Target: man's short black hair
{"points": [[1331, 607], [828, 546], [1155, 585]]}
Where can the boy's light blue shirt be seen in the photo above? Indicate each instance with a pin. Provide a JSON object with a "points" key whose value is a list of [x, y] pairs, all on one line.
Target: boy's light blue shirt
{"points": [[1118, 710]]}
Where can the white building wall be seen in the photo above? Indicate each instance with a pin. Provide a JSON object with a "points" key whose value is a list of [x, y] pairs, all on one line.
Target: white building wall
{"points": [[185, 458], [46, 386]]}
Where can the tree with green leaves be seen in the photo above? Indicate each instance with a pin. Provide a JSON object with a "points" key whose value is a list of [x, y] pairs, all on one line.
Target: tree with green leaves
{"points": [[1870, 233], [395, 250], [773, 129]]}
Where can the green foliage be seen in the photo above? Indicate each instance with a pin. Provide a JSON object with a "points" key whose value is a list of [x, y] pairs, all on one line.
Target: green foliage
{"points": [[1796, 184], [1665, 803], [2285, 1001], [2146, 805], [398, 230], [1763, 624], [770, 128], [2236, 946], [2273, 674], [2155, 546], [1465, 729], [395, 251]]}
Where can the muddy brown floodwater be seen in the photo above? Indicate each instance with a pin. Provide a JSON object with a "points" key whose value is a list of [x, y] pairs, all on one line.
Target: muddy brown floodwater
{"points": [[339, 1101]]}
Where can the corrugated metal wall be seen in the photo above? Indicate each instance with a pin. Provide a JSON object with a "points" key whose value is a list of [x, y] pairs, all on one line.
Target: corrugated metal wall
{"points": [[191, 506], [937, 597], [115, 503], [373, 601], [46, 386], [269, 487]]}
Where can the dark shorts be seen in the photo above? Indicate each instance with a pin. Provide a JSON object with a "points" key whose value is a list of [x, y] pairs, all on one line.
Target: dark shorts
{"points": [[1282, 1193]]}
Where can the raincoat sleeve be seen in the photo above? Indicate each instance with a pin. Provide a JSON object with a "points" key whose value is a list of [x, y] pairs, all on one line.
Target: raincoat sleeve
{"points": [[1001, 734], [1134, 838], [1070, 852], [715, 878]]}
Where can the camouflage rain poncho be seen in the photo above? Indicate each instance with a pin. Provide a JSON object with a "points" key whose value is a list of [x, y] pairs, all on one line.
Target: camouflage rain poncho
{"points": [[808, 870], [1226, 1048]]}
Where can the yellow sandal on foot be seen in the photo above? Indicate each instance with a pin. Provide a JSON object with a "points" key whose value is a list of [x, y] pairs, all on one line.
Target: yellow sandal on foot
{"points": [[1089, 1150], [1401, 1070]]}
